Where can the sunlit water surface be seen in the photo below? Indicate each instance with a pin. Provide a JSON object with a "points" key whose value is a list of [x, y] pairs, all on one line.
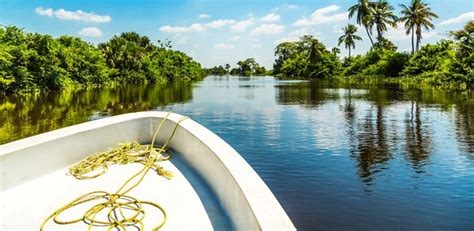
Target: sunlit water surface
{"points": [[336, 157]]}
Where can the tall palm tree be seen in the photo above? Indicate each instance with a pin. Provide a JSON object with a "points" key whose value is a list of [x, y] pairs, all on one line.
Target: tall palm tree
{"points": [[349, 37], [415, 16], [363, 11], [382, 14]]}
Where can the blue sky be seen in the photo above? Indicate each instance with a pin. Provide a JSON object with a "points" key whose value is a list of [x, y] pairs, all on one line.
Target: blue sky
{"points": [[217, 32]]}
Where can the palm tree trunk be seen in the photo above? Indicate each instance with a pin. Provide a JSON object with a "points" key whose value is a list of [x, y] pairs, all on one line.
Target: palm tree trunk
{"points": [[349, 52], [418, 39], [379, 35], [412, 40], [417, 42], [368, 34]]}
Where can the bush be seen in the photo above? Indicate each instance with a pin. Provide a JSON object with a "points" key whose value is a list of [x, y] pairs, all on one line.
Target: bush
{"points": [[437, 57], [34, 61]]}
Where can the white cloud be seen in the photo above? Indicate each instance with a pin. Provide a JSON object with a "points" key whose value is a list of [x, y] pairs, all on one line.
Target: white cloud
{"points": [[91, 32], [242, 25], [430, 34], [300, 32], [196, 27], [459, 19], [45, 12], [272, 17], [220, 23], [181, 38], [234, 38], [398, 34], [266, 29], [286, 39], [292, 6], [222, 46], [295, 35], [282, 6], [258, 45], [321, 16], [78, 15], [339, 29], [204, 16]]}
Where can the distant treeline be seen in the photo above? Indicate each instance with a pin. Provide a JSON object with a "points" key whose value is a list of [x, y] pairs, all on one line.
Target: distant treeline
{"points": [[447, 63], [32, 61], [244, 68]]}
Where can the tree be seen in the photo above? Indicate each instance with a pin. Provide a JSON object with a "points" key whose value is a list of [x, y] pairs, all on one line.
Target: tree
{"points": [[32, 61], [216, 70], [464, 46], [384, 44], [306, 58], [247, 67], [125, 54], [415, 16], [349, 37], [465, 37], [382, 15], [227, 68], [283, 52], [363, 11], [432, 58]]}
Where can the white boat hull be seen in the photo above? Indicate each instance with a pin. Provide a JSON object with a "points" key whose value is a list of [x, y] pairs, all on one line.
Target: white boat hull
{"points": [[32, 175]]}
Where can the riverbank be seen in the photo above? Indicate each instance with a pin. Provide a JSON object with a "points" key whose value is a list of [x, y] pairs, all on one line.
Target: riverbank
{"points": [[358, 148], [440, 82], [32, 62]]}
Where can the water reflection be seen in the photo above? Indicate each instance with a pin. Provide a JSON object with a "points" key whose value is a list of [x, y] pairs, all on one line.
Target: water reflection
{"points": [[309, 94], [465, 125], [337, 157], [417, 138], [23, 116], [382, 122], [372, 149]]}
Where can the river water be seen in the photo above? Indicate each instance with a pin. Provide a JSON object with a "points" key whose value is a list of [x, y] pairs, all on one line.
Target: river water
{"points": [[336, 157]]}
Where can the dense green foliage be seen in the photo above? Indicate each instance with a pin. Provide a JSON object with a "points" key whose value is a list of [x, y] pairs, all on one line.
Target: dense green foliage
{"points": [[246, 67], [31, 61], [446, 63], [218, 70], [464, 48], [307, 58]]}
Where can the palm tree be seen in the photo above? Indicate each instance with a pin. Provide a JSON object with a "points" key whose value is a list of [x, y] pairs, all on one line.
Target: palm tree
{"points": [[363, 11], [415, 16], [349, 37], [382, 14]]}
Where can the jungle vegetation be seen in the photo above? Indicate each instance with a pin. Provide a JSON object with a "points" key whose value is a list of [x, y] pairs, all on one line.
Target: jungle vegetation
{"points": [[245, 67], [32, 61], [447, 63]]}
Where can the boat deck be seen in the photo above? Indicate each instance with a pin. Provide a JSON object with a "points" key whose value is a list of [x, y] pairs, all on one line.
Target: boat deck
{"points": [[187, 200]]}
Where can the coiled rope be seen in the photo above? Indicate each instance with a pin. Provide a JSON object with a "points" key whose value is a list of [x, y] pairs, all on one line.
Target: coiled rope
{"points": [[115, 204]]}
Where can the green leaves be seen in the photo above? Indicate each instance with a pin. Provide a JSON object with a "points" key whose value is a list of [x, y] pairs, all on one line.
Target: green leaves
{"points": [[307, 58], [40, 62], [431, 58]]}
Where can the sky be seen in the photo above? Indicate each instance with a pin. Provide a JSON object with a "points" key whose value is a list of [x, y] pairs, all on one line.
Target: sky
{"points": [[218, 32]]}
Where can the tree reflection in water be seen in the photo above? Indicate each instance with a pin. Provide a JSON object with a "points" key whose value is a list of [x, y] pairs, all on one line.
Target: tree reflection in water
{"points": [[28, 115], [374, 136]]}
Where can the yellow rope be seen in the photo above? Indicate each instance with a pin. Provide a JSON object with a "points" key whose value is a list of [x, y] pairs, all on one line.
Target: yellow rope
{"points": [[97, 164]]}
